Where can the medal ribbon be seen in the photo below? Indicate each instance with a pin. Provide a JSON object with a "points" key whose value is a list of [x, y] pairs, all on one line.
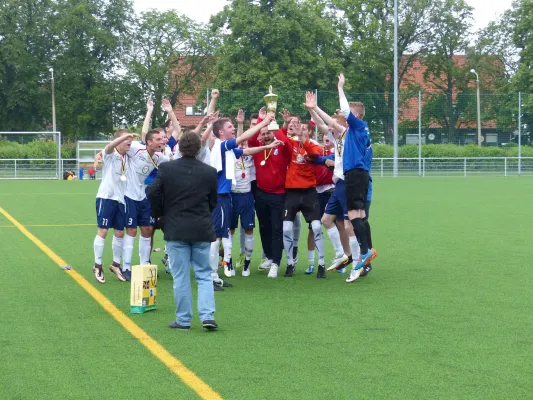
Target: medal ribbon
{"points": [[340, 143], [122, 162], [152, 160], [266, 156]]}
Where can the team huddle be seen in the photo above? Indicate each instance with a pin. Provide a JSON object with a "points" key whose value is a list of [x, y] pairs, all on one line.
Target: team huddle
{"points": [[275, 173]]}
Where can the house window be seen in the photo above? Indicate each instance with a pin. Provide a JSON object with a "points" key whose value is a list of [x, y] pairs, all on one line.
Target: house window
{"points": [[193, 110]]}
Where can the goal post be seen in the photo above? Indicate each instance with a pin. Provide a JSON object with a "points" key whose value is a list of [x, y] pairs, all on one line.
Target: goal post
{"points": [[86, 151], [32, 165]]}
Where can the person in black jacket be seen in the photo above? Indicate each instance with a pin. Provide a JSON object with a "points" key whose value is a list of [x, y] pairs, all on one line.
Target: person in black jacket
{"points": [[182, 197]]}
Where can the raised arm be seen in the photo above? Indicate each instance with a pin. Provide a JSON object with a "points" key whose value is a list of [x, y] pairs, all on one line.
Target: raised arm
{"points": [[111, 146], [345, 106], [147, 118], [310, 104], [176, 126], [240, 123], [252, 131], [250, 151], [97, 160], [215, 94]]}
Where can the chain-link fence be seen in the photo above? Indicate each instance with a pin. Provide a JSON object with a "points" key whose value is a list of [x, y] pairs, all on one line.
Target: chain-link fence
{"points": [[430, 118]]}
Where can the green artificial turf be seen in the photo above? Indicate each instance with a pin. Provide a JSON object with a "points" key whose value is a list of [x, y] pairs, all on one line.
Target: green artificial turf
{"points": [[446, 312]]}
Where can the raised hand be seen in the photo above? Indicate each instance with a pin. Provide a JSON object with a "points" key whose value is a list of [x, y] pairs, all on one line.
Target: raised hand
{"points": [[338, 111], [214, 117], [275, 143], [150, 105], [286, 116], [341, 81], [165, 104], [215, 94], [262, 113], [270, 117], [240, 117], [310, 101]]}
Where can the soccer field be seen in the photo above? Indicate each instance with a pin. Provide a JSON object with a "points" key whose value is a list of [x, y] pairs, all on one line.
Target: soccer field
{"points": [[445, 313]]}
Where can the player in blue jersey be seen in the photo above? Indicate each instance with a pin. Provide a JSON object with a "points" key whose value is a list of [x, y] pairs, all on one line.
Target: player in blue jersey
{"points": [[356, 174]]}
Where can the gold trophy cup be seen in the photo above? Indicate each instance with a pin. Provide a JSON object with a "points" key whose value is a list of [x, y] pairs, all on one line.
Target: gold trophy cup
{"points": [[271, 100]]}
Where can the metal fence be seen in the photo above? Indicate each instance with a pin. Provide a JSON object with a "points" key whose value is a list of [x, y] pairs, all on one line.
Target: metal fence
{"points": [[38, 168], [381, 167], [423, 117]]}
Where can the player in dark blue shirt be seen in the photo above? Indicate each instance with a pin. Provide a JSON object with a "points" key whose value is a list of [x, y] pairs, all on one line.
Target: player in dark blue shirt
{"points": [[356, 165]]}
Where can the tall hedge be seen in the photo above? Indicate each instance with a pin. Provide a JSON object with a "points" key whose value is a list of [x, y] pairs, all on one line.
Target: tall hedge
{"points": [[35, 149]]}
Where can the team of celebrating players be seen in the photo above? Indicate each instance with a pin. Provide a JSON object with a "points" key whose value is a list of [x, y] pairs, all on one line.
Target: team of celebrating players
{"points": [[276, 174]]}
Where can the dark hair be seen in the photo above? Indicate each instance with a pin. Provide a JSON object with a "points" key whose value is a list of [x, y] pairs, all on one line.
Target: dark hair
{"points": [[254, 116], [166, 124], [190, 144], [150, 134], [217, 126]]}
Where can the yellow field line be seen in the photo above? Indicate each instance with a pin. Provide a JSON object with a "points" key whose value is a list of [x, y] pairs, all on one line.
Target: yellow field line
{"points": [[52, 225], [186, 375]]}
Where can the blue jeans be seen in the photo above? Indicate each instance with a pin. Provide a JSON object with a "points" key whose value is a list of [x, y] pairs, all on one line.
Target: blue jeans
{"points": [[181, 255]]}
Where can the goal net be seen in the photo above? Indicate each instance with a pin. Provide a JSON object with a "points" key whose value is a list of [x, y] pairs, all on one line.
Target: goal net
{"points": [[86, 151], [30, 155]]}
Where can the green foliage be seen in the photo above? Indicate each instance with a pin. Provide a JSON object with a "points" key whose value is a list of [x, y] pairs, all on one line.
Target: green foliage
{"points": [[35, 149]]}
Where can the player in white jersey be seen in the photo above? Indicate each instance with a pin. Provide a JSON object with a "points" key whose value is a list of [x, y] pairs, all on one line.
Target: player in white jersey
{"points": [[243, 207], [110, 203], [142, 159], [341, 236]]}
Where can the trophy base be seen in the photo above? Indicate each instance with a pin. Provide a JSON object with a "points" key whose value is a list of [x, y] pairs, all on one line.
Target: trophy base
{"points": [[273, 126]]}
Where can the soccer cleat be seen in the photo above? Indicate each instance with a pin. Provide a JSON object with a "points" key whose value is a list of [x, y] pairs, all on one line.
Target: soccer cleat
{"points": [[310, 269], [217, 287], [374, 255], [115, 268], [246, 268], [167, 270], [240, 261], [295, 255], [98, 273], [164, 260], [126, 273], [363, 260], [354, 275], [176, 325], [341, 271], [227, 269], [289, 272], [366, 270], [210, 325], [273, 273], [339, 263], [232, 268], [321, 272], [266, 264]]}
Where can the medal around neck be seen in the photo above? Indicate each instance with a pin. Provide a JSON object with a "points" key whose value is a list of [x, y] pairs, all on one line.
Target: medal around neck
{"points": [[271, 100], [263, 163], [123, 178]]}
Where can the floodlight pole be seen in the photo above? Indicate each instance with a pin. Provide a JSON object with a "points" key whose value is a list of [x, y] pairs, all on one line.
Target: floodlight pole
{"points": [[395, 80], [478, 109]]}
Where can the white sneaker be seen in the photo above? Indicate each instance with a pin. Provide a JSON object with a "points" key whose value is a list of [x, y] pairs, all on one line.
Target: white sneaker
{"points": [[354, 275], [227, 271], [246, 272], [273, 273], [337, 262], [265, 264], [233, 272]]}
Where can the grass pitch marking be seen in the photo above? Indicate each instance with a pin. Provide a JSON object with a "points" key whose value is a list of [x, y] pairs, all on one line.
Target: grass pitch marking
{"points": [[48, 225], [202, 389]]}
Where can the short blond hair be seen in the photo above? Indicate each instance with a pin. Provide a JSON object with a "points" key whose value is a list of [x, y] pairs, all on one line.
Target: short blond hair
{"points": [[356, 107], [339, 119], [119, 133]]}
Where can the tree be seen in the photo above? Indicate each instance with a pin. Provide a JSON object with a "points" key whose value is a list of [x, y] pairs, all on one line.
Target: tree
{"points": [[448, 74], [369, 59], [170, 54], [289, 44], [25, 57]]}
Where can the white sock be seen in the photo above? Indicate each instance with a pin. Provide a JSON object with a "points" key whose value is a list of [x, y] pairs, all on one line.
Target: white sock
{"points": [[242, 240], [319, 240], [335, 239], [144, 250], [127, 251], [117, 249], [98, 247], [249, 246], [297, 228], [354, 247], [227, 244], [311, 257], [288, 240], [213, 258]]}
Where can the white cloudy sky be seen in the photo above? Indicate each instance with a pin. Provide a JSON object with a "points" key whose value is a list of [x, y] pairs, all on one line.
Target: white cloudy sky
{"points": [[200, 10]]}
